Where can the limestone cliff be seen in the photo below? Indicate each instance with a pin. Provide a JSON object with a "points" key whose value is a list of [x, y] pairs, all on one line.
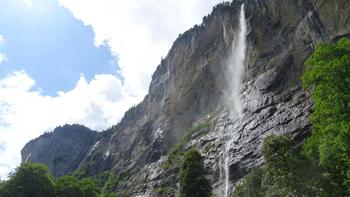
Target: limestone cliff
{"points": [[187, 94]]}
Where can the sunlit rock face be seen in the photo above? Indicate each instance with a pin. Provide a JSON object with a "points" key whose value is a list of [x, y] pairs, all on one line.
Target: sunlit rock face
{"points": [[190, 86]]}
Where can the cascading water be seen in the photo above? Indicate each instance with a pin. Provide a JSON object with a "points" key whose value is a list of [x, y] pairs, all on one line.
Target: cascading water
{"points": [[235, 70], [236, 66]]}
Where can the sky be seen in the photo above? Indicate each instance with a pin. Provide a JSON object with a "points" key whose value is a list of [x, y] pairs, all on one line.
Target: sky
{"points": [[80, 61]]}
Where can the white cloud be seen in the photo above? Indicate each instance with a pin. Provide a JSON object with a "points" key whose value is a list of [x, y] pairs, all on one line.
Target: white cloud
{"points": [[2, 57], [26, 113], [29, 3], [2, 40], [139, 32]]}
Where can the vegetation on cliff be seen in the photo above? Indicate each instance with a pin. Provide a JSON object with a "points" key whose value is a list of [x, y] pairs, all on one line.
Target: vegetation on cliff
{"points": [[287, 172], [177, 151], [321, 167], [329, 145]]}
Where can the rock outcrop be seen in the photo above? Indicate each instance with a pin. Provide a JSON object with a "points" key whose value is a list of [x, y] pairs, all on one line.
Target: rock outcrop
{"points": [[188, 89], [63, 150]]}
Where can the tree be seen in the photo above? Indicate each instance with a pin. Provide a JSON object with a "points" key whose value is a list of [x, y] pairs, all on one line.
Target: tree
{"points": [[108, 195], [68, 186], [29, 180], [328, 73], [71, 186], [193, 182], [251, 185], [2, 184], [287, 172], [34, 180], [88, 187]]}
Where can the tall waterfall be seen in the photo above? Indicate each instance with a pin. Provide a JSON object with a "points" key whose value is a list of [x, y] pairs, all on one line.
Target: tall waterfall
{"points": [[236, 66], [235, 70]]}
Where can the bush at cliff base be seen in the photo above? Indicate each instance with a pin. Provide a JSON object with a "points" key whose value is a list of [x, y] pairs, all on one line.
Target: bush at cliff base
{"points": [[193, 182]]}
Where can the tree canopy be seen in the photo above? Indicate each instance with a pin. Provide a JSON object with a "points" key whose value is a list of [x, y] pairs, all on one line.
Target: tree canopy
{"points": [[32, 180], [328, 73], [35, 180], [193, 182]]}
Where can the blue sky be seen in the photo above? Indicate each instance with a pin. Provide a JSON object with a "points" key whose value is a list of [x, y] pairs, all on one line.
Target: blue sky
{"points": [[53, 47]]}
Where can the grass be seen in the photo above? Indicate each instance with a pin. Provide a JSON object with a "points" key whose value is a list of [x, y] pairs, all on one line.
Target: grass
{"points": [[164, 191]]}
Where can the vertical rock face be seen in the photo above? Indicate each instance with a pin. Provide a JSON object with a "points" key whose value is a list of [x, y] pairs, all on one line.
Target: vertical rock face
{"points": [[334, 14], [188, 88]]}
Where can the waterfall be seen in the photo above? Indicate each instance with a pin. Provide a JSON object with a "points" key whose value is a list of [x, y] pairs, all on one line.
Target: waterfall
{"points": [[236, 66], [235, 71]]}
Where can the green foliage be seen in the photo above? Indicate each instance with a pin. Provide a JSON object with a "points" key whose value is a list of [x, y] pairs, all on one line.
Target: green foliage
{"points": [[79, 173], [328, 73], [30, 179], [239, 190], [101, 179], [68, 186], [34, 180], [89, 188], [112, 182], [193, 182], [164, 191], [105, 181], [322, 168], [287, 172], [108, 195], [251, 185], [2, 185], [71, 186]]}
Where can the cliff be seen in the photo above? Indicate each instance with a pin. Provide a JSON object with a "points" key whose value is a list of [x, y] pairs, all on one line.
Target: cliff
{"points": [[187, 97], [62, 150]]}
